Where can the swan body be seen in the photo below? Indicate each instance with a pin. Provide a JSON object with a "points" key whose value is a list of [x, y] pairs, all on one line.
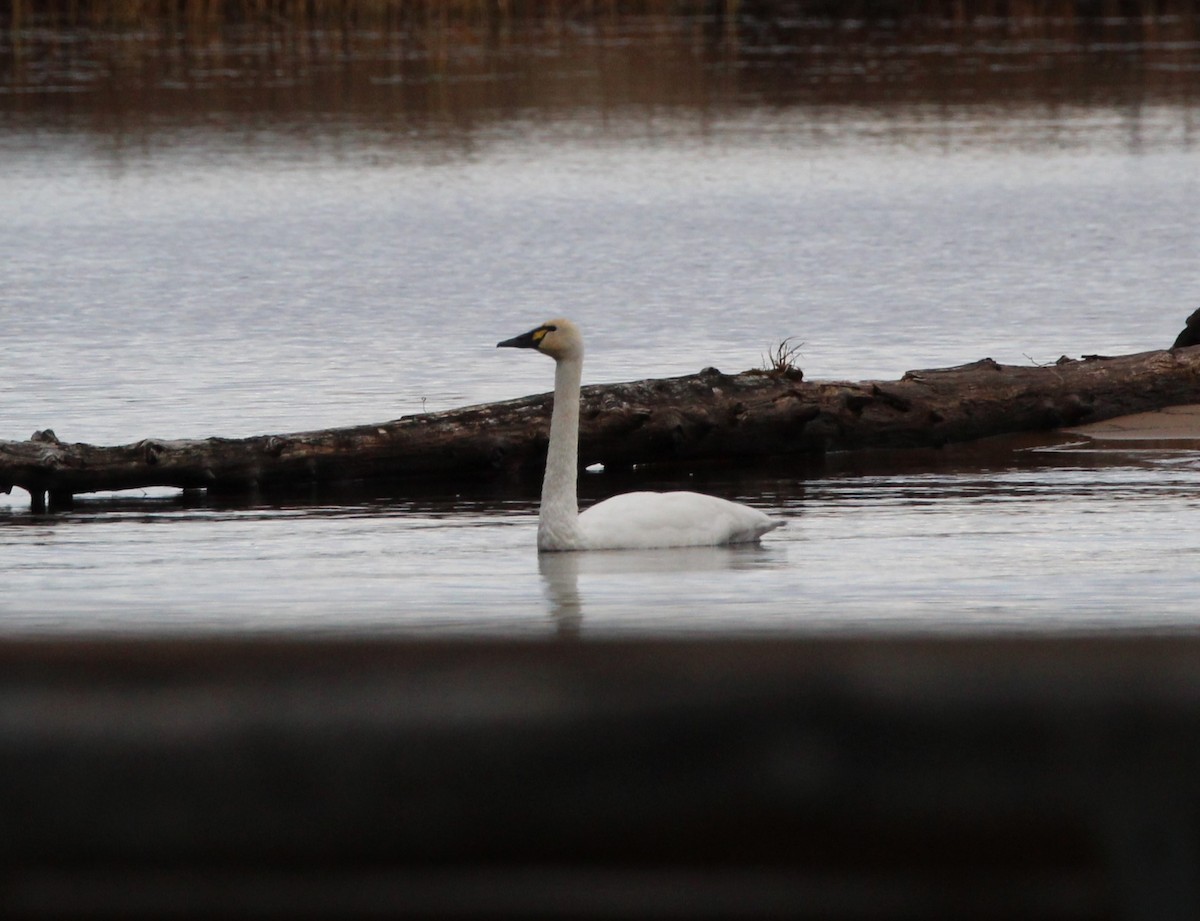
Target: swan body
{"points": [[630, 521]]}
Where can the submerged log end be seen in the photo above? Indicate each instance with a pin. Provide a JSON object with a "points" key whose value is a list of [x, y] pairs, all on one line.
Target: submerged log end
{"points": [[61, 500]]}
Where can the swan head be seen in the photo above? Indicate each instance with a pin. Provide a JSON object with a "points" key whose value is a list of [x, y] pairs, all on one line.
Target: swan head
{"points": [[557, 338]]}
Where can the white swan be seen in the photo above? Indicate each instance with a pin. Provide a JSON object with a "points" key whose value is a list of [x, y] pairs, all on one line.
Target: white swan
{"points": [[631, 521]]}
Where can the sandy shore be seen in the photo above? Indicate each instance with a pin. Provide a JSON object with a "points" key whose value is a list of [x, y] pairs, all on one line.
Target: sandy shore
{"points": [[1175, 423]]}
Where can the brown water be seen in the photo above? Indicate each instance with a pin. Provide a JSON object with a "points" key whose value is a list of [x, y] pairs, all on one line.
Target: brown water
{"points": [[240, 229]]}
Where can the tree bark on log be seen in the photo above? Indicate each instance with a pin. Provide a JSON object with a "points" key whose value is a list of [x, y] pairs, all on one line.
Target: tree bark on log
{"points": [[708, 416]]}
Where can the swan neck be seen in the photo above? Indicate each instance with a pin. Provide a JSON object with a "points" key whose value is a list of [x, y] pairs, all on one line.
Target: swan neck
{"points": [[558, 519]]}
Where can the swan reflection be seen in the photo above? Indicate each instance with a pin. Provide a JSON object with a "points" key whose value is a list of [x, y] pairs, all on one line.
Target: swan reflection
{"points": [[561, 572]]}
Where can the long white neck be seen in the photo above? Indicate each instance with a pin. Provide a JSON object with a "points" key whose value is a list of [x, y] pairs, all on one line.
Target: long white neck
{"points": [[558, 521]]}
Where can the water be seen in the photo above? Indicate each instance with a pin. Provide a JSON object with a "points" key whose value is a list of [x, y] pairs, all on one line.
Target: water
{"points": [[208, 247]]}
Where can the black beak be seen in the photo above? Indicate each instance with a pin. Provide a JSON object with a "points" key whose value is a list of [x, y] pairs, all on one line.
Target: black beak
{"points": [[524, 341]]}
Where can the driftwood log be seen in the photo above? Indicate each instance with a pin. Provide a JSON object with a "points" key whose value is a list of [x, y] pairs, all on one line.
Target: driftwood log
{"points": [[700, 417]]}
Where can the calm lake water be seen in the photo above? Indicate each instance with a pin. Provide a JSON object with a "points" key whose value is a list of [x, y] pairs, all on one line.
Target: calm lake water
{"points": [[233, 234]]}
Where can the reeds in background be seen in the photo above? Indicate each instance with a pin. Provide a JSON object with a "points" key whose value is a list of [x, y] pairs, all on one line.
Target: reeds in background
{"points": [[65, 13], [394, 63]]}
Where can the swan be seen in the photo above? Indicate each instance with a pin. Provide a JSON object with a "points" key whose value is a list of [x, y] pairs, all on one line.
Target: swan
{"points": [[630, 521]]}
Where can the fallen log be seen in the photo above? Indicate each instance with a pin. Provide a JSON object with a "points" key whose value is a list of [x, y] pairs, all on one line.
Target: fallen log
{"points": [[700, 417]]}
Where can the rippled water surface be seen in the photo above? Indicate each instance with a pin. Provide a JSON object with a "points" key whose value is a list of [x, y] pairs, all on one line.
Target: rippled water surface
{"points": [[292, 239]]}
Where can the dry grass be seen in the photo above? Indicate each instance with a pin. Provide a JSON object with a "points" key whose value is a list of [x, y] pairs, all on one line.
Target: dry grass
{"points": [[782, 358]]}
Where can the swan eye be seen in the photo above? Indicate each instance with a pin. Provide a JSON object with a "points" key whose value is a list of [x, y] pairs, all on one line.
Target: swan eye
{"points": [[540, 333]]}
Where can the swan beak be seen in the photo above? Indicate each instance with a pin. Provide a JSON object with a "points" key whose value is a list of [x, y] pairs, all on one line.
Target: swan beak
{"points": [[529, 340]]}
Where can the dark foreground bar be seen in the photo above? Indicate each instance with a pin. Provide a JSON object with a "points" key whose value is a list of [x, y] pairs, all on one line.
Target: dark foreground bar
{"points": [[779, 779]]}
